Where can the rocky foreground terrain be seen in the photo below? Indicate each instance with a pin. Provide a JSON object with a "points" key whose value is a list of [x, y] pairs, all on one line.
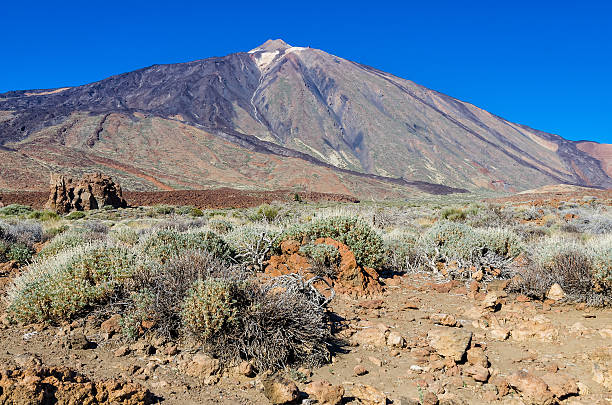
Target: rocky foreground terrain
{"points": [[412, 331]]}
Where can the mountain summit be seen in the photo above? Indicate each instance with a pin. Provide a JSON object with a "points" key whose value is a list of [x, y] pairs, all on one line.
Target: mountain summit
{"points": [[280, 116]]}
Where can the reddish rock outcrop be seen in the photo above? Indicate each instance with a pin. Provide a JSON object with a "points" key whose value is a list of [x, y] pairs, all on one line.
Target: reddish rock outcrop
{"points": [[92, 191], [350, 278], [50, 385]]}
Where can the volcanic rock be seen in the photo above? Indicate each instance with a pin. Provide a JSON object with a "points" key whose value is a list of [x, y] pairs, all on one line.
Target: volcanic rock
{"points": [[92, 191], [279, 390]]}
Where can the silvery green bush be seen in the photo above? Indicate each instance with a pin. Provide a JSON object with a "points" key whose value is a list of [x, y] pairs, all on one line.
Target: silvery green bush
{"points": [[63, 286]]}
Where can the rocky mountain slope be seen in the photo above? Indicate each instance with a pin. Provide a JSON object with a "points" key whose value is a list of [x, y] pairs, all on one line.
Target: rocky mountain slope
{"points": [[279, 116]]}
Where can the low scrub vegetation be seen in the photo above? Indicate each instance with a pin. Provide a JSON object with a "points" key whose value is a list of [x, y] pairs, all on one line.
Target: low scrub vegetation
{"points": [[195, 275]]}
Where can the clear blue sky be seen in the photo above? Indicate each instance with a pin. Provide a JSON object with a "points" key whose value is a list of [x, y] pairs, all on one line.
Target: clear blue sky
{"points": [[547, 64]]}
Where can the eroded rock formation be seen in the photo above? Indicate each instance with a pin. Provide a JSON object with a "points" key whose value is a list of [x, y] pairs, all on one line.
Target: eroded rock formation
{"points": [[92, 191]]}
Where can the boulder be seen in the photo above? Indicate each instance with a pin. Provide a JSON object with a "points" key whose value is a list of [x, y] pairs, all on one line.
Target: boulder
{"points": [[325, 393], [202, 366], [531, 387], [92, 191], [395, 340], [280, 390], [555, 293], [561, 384], [368, 395], [477, 372], [450, 342], [477, 356], [370, 336]]}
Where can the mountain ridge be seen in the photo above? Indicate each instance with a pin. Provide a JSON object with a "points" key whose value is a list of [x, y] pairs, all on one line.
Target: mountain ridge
{"points": [[302, 103]]}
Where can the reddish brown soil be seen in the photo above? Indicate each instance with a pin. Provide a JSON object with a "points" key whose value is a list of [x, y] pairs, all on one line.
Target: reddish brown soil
{"points": [[217, 198]]}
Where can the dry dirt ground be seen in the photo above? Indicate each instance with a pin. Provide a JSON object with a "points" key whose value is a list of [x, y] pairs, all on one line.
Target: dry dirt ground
{"points": [[390, 336]]}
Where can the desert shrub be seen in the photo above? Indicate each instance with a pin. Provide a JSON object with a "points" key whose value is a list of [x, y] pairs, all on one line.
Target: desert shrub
{"points": [[124, 235], [491, 215], [180, 224], [141, 304], [401, 253], [53, 232], [189, 210], [452, 214], [265, 211], [15, 210], [600, 250], [68, 284], [596, 224], [281, 323], [74, 215], [574, 266], [168, 283], [163, 244], [96, 229], [365, 243], [211, 307], [252, 243], [160, 210], [221, 226], [324, 258], [473, 246], [63, 242], [19, 253], [43, 215], [24, 232]]}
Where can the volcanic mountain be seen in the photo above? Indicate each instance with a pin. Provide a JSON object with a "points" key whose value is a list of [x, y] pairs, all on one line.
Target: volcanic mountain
{"points": [[280, 116]]}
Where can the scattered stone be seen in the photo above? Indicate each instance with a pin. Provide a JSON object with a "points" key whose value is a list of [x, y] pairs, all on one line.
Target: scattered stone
{"points": [[360, 370], [539, 328], [33, 386], [450, 342], [246, 369], [122, 351], [477, 372], [498, 334], [531, 387], [560, 384], [111, 325], [443, 319], [376, 361], [493, 300], [370, 336], [555, 293], [79, 341], [280, 390], [368, 395], [202, 366], [372, 304], [171, 350], [395, 340], [477, 356], [325, 393]]}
